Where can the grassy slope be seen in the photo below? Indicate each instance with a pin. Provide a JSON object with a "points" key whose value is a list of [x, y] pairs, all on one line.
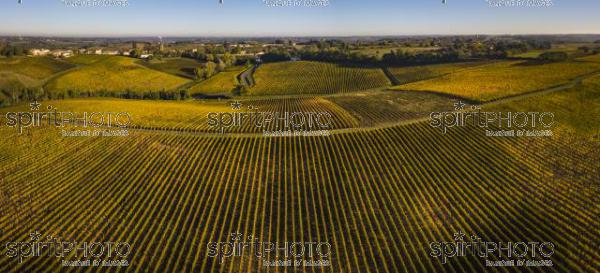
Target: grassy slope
{"points": [[314, 78], [26, 72], [220, 84], [569, 48], [409, 74], [183, 67], [33, 67], [503, 79], [115, 74], [592, 58], [87, 59]]}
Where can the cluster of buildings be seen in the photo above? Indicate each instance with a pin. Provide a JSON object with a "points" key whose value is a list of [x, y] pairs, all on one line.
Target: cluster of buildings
{"points": [[58, 53], [66, 53]]}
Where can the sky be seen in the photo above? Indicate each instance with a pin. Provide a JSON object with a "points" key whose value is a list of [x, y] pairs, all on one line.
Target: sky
{"points": [[193, 18]]}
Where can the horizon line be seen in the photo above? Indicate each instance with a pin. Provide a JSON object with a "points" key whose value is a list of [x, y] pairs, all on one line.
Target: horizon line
{"points": [[4, 35]]}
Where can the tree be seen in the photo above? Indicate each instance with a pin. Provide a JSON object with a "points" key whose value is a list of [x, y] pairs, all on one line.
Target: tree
{"points": [[210, 58], [553, 56], [209, 69], [199, 73], [221, 66], [229, 59]]}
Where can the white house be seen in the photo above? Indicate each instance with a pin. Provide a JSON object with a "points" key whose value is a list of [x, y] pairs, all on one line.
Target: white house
{"points": [[39, 52]]}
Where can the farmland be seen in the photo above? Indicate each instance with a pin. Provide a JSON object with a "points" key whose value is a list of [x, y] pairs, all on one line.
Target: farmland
{"points": [[360, 191], [116, 74], [569, 48], [182, 67], [374, 109], [408, 74], [314, 78], [379, 189], [191, 116], [592, 58], [223, 83], [503, 79], [380, 51], [36, 68]]}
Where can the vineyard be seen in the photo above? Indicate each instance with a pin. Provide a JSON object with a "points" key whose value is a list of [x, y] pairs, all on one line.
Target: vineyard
{"points": [[114, 74], [408, 74], [503, 79], [193, 116], [382, 187], [364, 192], [373, 109], [315, 78]]}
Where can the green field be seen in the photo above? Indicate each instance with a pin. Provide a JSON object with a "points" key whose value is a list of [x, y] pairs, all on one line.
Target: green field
{"points": [[592, 58], [183, 67], [503, 79], [33, 67], [223, 83], [114, 74], [303, 77], [87, 59], [569, 48], [19, 73], [408, 74]]}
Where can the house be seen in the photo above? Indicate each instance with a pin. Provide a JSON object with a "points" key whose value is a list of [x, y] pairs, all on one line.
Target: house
{"points": [[62, 53], [111, 52], [39, 52]]}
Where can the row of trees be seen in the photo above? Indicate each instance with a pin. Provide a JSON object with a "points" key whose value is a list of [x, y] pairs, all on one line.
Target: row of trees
{"points": [[11, 50], [215, 64], [16, 96]]}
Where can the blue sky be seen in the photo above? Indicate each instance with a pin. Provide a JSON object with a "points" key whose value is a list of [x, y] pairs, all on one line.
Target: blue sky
{"points": [[253, 18]]}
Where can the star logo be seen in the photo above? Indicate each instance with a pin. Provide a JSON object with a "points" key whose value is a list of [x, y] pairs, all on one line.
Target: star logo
{"points": [[35, 106], [236, 105], [236, 236], [459, 236], [458, 106], [35, 236]]}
